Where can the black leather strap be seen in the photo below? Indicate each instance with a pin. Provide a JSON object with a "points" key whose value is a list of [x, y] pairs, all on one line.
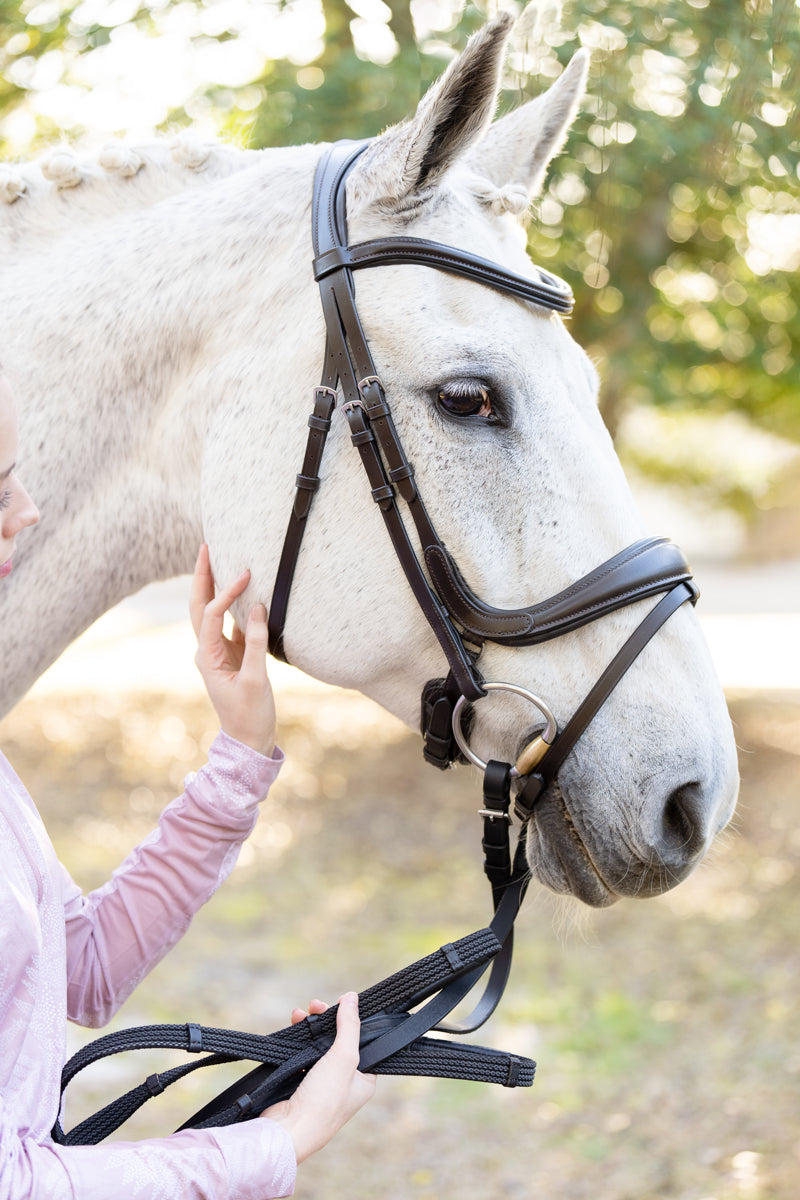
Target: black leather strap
{"points": [[461, 663], [566, 739], [307, 482], [545, 290], [499, 870]]}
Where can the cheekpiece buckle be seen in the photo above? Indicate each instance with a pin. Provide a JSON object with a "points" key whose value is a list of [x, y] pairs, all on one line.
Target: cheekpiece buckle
{"points": [[323, 391], [367, 382]]}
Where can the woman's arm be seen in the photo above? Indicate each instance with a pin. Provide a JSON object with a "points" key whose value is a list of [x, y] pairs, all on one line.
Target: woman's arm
{"points": [[253, 1161], [119, 932]]}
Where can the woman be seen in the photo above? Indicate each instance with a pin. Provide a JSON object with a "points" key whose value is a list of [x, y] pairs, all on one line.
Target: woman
{"points": [[65, 955]]}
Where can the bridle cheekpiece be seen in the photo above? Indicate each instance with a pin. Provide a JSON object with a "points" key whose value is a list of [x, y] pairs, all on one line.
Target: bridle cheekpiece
{"points": [[461, 621]]}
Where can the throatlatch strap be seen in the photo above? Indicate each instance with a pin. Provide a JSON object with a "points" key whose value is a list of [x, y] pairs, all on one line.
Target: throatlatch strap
{"points": [[306, 484]]}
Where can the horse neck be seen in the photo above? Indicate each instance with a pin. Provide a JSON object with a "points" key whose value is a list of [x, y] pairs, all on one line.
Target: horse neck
{"points": [[156, 314]]}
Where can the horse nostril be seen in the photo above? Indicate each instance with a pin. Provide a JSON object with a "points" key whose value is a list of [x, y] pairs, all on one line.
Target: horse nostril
{"points": [[682, 826]]}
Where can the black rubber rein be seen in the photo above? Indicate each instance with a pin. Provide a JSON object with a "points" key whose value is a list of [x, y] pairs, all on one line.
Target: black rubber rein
{"points": [[392, 1044]]}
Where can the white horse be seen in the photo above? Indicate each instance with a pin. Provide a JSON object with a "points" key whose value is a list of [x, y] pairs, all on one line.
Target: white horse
{"points": [[162, 328]]}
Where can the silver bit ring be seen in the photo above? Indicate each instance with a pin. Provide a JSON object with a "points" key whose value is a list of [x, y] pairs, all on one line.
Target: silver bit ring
{"points": [[546, 738]]}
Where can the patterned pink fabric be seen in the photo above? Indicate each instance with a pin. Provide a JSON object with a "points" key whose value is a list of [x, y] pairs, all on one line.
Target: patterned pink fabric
{"points": [[64, 955]]}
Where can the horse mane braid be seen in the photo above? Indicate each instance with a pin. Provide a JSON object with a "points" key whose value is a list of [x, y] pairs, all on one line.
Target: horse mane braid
{"points": [[513, 198], [125, 160], [61, 168], [158, 168], [12, 185]]}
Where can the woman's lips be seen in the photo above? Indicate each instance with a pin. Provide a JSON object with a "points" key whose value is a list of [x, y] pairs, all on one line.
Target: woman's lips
{"points": [[5, 569]]}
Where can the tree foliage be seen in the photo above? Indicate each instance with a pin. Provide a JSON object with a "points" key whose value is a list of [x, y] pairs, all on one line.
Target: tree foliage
{"points": [[677, 202], [674, 212]]}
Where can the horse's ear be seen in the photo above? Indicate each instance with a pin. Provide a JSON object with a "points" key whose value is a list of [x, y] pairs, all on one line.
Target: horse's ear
{"points": [[451, 117], [516, 150]]}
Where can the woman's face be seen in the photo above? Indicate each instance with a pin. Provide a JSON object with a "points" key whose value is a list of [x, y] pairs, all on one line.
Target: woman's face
{"points": [[16, 507]]}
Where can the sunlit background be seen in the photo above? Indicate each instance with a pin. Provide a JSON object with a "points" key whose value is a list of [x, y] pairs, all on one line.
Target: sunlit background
{"points": [[666, 1034], [674, 212]]}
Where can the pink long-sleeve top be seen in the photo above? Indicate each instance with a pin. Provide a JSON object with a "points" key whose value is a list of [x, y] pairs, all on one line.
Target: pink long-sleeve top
{"points": [[66, 955]]}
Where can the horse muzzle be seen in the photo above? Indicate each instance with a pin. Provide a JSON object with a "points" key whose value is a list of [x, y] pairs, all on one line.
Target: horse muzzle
{"points": [[601, 862]]}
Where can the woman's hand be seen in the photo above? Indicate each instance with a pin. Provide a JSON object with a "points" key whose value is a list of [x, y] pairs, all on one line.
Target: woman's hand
{"points": [[333, 1090], [234, 669]]}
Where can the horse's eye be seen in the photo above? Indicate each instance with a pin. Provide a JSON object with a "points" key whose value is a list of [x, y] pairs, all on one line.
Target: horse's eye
{"points": [[466, 398]]}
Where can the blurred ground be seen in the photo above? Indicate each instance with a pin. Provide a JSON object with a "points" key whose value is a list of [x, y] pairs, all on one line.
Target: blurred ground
{"points": [[665, 1031]]}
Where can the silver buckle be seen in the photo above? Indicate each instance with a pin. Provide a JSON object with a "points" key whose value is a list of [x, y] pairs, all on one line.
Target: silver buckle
{"points": [[322, 389], [368, 379]]}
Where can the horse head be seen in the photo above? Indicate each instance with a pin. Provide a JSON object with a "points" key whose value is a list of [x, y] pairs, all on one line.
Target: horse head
{"points": [[496, 407]]}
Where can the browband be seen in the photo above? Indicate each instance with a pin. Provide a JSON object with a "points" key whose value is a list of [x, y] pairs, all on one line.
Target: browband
{"points": [[332, 254], [548, 291]]}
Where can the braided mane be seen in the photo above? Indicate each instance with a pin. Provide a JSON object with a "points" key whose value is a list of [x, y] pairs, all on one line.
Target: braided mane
{"points": [[42, 197]]}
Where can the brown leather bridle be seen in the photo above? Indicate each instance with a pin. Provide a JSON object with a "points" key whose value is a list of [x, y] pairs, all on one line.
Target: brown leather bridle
{"points": [[461, 621], [398, 1012]]}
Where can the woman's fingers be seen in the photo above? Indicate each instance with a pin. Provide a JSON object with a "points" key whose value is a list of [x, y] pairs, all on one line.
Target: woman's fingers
{"points": [[234, 669], [316, 1007], [202, 588], [348, 1026], [254, 657], [203, 602], [332, 1091], [210, 637]]}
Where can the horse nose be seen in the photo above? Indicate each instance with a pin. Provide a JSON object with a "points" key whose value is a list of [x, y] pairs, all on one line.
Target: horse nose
{"points": [[683, 822], [680, 836]]}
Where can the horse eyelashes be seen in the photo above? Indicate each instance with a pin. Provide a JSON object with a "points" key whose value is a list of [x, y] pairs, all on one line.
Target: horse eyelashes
{"points": [[467, 398]]}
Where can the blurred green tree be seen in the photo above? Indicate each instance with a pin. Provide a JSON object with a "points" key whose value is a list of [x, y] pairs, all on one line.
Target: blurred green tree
{"points": [[677, 202], [674, 212]]}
